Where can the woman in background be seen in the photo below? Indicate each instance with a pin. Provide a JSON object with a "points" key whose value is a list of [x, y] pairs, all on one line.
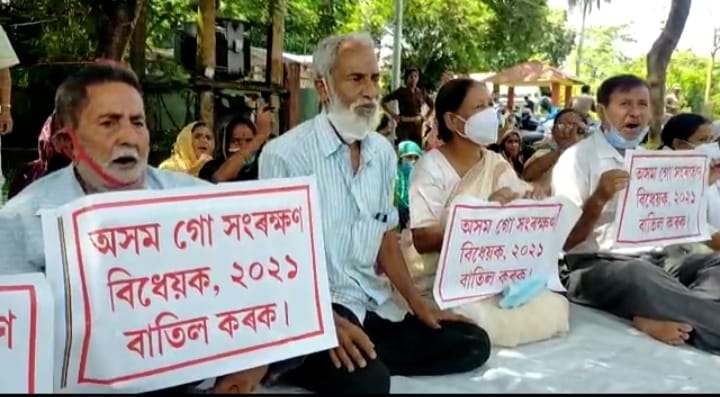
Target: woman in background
{"points": [[512, 147], [54, 152], [568, 128], [241, 144], [193, 148]]}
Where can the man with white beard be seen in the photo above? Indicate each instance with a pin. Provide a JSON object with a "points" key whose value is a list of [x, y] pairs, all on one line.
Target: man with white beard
{"points": [[356, 170]]}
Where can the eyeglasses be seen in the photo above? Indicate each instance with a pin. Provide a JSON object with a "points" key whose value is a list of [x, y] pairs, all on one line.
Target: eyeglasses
{"points": [[580, 129]]}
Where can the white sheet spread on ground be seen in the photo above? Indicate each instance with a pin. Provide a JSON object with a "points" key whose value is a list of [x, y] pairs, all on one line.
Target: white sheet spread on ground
{"points": [[602, 354]]}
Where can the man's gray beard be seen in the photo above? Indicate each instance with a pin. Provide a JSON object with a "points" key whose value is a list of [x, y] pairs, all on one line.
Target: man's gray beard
{"points": [[91, 182]]}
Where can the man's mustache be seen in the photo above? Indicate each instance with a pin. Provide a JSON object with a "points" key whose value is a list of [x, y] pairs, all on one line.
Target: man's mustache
{"points": [[126, 153]]}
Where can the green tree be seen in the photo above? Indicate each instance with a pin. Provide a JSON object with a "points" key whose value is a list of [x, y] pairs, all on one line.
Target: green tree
{"points": [[487, 35], [557, 40], [586, 7], [602, 54]]}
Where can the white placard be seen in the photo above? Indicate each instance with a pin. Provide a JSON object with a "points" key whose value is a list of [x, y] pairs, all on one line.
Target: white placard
{"points": [[26, 334], [488, 246], [663, 203], [168, 287]]}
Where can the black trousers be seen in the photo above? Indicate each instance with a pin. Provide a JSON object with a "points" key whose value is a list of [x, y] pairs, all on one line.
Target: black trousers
{"points": [[412, 131], [629, 286], [408, 348]]}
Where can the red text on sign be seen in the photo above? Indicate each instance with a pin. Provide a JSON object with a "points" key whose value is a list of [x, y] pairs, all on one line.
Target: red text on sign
{"points": [[6, 328]]}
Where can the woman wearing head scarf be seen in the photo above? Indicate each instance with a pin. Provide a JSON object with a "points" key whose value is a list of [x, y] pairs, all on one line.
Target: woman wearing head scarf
{"points": [[193, 148], [241, 143], [54, 152], [408, 152], [511, 147]]}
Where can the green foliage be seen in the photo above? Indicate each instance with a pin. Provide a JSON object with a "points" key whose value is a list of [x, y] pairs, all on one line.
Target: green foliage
{"points": [[558, 39], [486, 35], [588, 5], [603, 58]]}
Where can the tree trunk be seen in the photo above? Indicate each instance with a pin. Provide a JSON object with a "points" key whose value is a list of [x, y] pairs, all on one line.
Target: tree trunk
{"points": [[138, 42], [114, 24], [278, 9], [657, 62], [581, 39], [206, 33]]}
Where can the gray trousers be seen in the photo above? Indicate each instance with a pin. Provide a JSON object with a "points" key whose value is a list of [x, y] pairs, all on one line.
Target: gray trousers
{"points": [[629, 286]]}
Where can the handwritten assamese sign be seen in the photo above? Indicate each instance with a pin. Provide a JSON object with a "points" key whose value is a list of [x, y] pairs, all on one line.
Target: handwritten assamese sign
{"points": [[161, 288], [664, 201], [488, 246], [26, 334]]}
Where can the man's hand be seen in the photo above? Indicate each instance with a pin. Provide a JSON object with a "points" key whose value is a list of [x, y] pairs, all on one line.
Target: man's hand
{"points": [[352, 343], [6, 122], [243, 382], [611, 182], [204, 158], [503, 196], [432, 316]]}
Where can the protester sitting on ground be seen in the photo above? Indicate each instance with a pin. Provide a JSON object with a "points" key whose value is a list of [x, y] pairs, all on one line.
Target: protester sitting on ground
{"points": [[54, 153], [513, 149], [569, 127], [686, 131], [193, 148], [355, 170], [102, 111], [240, 145], [690, 131], [674, 304], [463, 167], [408, 152]]}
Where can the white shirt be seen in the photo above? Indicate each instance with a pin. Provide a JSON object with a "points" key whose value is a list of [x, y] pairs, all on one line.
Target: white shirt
{"points": [[8, 58], [433, 181], [576, 176], [713, 197], [356, 209]]}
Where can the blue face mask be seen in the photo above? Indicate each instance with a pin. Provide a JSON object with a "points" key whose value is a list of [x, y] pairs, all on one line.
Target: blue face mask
{"points": [[619, 142], [406, 168]]}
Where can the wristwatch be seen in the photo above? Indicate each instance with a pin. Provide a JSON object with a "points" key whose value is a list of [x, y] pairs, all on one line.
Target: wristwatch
{"points": [[4, 108]]}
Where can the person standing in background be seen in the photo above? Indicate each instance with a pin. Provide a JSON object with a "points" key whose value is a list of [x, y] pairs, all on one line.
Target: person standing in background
{"points": [[410, 99], [8, 59]]}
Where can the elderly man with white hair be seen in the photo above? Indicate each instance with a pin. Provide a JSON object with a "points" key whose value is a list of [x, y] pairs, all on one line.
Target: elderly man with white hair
{"points": [[356, 169]]}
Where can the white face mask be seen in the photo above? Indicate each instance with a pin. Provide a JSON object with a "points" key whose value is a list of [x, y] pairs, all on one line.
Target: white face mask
{"points": [[711, 149], [353, 123], [482, 127]]}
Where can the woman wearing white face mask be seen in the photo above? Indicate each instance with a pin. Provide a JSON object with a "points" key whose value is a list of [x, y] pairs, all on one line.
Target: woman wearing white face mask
{"points": [[463, 166], [690, 131]]}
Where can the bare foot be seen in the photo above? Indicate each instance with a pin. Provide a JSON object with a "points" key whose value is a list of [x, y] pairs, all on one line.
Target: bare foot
{"points": [[670, 332]]}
